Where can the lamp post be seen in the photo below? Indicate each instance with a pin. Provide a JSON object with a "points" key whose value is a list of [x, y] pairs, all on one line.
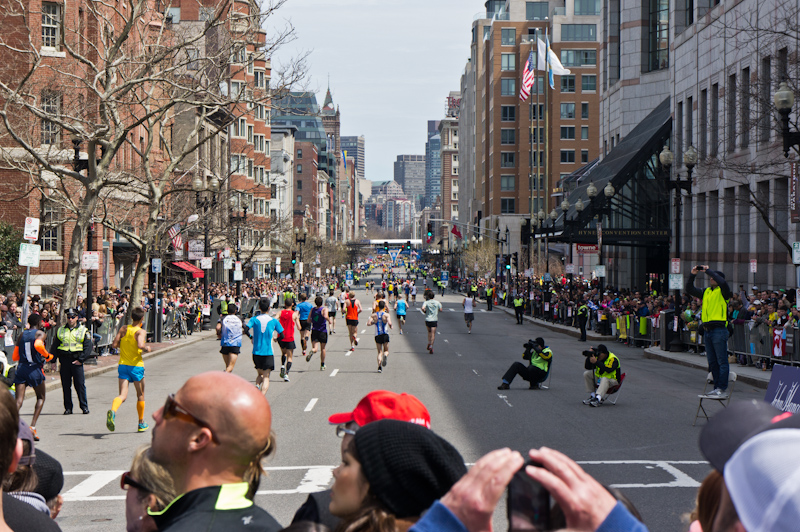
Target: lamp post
{"points": [[79, 165], [234, 202], [199, 185], [301, 239], [784, 101], [608, 192]]}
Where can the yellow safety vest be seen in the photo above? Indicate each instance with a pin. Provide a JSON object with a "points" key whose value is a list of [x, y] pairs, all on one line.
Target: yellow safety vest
{"points": [[542, 360], [223, 307], [715, 307], [71, 339], [517, 301], [489, 291], [607, 372]]}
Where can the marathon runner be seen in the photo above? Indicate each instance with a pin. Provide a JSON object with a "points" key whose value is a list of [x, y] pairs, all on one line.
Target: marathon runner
{"points": [[319, 332], [31, 355], [131, 340], [381, 320], [401, 307], [414, 295], [333, 304], [303, 310], [290, 321], [229, 331], [431, 309], [264, 327], [469, 316], [352, 309]]}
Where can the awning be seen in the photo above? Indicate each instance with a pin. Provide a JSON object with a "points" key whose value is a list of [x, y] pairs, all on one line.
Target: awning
{"points": [[196, 272]]}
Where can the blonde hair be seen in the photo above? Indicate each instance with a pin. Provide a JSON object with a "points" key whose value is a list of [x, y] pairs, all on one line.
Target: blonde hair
{"points": [[153, 477]]}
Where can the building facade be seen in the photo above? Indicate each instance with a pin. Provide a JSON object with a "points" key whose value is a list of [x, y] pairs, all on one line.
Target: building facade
{"points": [[409, 173]]}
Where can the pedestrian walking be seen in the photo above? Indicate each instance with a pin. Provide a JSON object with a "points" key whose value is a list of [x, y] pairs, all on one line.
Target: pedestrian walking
{"points": [[131, 340], [583, 316], [73, 346], [431, 309], [519, 308], [489, 297]]}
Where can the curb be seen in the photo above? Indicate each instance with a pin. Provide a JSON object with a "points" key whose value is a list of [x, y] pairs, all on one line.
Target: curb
{"points": [[563, 329], [56, 384], [657, 355]]}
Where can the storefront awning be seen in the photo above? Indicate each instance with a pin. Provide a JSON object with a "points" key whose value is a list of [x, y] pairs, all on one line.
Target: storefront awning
{"points": [[196, 272]]}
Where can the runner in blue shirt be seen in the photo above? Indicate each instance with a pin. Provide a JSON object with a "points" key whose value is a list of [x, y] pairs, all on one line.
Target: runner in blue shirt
{"points": [[400, 308], [380, 318], [263, 326], [229, 331], [304, 309]]}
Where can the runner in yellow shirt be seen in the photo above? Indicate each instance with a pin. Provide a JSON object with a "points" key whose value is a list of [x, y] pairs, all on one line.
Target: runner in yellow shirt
{"points": [[131, 340]]}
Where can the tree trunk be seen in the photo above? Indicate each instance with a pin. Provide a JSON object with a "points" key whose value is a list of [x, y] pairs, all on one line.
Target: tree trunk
{"points": [[143, 263], [72, 275]]}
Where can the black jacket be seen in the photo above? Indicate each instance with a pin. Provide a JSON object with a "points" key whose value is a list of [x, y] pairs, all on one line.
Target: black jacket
{"points": [[316, 510], [216, 508]]}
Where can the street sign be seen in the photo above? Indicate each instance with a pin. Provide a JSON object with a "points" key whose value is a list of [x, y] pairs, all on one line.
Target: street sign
{"points": [[476, 267], [675, 266], [205, 263], [196, 249], [317, 261], [29, 255], [277, 261], [676, 281], [227, 264], [600, 271], [753, 266], [238, 275], [277, 268], [226, 253], [571, 268], [348, 277], [795, 252], [156, 265], [90, 260], [300, 268], [238, 266], [547, 278], [31, 229], [319, 273], [393, 254], [600, 236]]}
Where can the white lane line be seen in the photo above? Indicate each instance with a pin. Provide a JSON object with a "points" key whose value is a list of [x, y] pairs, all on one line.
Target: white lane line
{"points": [[347, 354], [334, 372], [483, 310], [475, 372], [316, 479], [459, 354], [364, 331], [311, 404], [445, 341], [505, 398], [452, 310]]}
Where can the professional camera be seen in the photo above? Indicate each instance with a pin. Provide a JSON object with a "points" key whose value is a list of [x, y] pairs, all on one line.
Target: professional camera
{"points": [[592, 352], [530, 345]]}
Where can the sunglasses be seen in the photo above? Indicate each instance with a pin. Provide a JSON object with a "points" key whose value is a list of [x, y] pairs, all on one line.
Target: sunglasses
{"points": [[341, 431], [173, 410], [127, 480]]}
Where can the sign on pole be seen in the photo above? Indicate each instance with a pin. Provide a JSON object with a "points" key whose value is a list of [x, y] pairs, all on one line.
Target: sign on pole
{"points": [[600, 271], [586, 249], [348, 277], [238, 266], [300, 268], [226, 253], [156, 265], [476, 267], [205, 263], [31, 229], [227, 264], [196, 250], [238, 275], [319, 273], [795, 252], [90, 260], [571, 268], [794, 192], [753, 266], [675, 266], [675, 281], [29, 255], [277, 261]]}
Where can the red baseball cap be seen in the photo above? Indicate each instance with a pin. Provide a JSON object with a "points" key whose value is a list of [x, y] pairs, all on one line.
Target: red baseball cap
{"points": [[382, 404]]}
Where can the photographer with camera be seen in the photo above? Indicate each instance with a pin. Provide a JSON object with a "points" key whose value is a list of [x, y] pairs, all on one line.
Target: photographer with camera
{"points": [[539, 357], [602, 372], [714, 315]]}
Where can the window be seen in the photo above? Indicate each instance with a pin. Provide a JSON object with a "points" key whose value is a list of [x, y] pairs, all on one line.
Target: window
{"points": [[584, 156], [702, 123], [508, 113], [537, 112], [299, 153], [299, 185], [250, 62], [508, 36], [51, 25], [588, 83], [508, 87], [508, 136], [508, 62], [258, 143], [259, 178], [744, 102], [51, 226], [237, 55], [730, 90], [250, 134], [507, 159], [535, 10], [568, 83], [538, 135], [689, 131], [299, 169], [237, 163], [713, 126], [579, 32], [584, 111], [250, 168], [259, 111], [507, 206], [567, 156], [236, 89], [584, 132], [567, 110], [568, 132], [192, 55], [206, 14], [766, 83], [578, 58], [299, 199], [658, 37], [507, 183], [587, 7], [51, 106]]}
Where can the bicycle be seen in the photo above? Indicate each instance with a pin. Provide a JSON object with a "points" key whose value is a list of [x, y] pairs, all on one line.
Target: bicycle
{"points": [[177, 328]]}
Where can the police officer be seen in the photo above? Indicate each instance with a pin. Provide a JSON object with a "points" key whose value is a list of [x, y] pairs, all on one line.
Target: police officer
{"points": [[73, 346], [489, 296], [583, 316], [519, 307], [603, 369], [539, 357]]}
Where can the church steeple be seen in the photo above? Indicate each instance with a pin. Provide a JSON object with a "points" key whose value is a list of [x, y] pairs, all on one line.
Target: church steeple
{"points": [[328, 99]]}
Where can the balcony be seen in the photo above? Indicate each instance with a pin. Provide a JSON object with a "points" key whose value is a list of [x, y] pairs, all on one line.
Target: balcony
{"points": [[559, 11], [497, 15]]}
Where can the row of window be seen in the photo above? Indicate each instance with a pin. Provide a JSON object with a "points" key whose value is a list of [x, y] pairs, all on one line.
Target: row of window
{"points": [[241, 164], [509, 159], [508, 113]]}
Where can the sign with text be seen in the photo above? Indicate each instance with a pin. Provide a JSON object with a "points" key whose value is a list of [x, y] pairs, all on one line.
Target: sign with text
{"points": [[156, 265], [753, 266], [600, 235], [794, 192], [586, 249], [783, 387], [205, 263], [31, 229], [238, 275], [600, 271], [29, 255], [90, 260], [227, 264], [348, 277], [196, 250], [393, 254], [795, 252], [675, 281], [277, 261], [675, 266], [571, 268], [612, 236], [319, 273], [237, 266], [226, 253]]}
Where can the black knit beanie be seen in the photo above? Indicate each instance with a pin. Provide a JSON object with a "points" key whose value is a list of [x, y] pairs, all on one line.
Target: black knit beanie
{"points": [[408, 467], [50, 473]]}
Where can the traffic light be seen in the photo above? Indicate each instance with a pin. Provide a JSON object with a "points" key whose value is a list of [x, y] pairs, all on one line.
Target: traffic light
{"points": [[294, 258], [507, 259], [408, 245], [430, 229], [514, 260], [386, 247]]}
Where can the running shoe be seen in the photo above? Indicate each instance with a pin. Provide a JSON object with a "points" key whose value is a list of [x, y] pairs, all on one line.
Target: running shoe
{"points": [[322, 367], [588, 400], [142, 426], [308, 358], [385, 360], [503, 386], [110, 417], [380, 369], [401, 332], [596, 402], [283, 371], [431, 350], [352, 348], [286, 377], [356, 341], [35, 436]]}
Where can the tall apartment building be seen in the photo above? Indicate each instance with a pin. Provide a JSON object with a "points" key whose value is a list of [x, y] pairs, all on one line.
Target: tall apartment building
{"points": [[448, 131], [433, 165], [409, 173], [355, 147], [308, 203]]}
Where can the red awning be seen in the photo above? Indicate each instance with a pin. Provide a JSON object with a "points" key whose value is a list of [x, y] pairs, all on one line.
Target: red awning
{"points": [[196, 272]]}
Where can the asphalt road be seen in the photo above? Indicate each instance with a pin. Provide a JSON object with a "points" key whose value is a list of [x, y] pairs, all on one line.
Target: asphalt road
{"points": [[645, 445]]}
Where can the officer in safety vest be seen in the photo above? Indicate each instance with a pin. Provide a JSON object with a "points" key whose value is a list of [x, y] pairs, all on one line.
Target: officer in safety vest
{"points": [[519, 307], [714, 316], [489, 296], [583, 316], [539, 357], [73, 346], [602, 372]]}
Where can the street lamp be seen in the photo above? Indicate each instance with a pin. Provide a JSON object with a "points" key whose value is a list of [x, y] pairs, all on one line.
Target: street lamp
{"points": [[234, 202], [301, 239], [784, 101], [199, 185]]}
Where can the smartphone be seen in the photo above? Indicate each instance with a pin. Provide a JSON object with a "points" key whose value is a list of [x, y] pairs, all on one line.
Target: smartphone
{"points": [[699, 268], [528, 503]]}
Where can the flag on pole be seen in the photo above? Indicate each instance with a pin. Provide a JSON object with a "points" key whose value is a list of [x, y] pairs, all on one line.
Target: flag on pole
{"points": [[456, 232], [549, 61], [344, 158], [527, 79], [175, 234]]}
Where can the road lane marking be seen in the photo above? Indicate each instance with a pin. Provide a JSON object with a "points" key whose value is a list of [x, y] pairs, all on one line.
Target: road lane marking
{"points": [[334, 372], [364, 331], [505, 398], [311, 404], [452, 310], [483, 310], [446, 341], [316, 479], [475, 372], [92, 484], [347, 354], [459, 354]]}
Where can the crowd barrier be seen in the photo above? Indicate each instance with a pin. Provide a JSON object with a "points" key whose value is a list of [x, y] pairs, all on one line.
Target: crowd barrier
{"points": [[636, 330], [761, 345]]}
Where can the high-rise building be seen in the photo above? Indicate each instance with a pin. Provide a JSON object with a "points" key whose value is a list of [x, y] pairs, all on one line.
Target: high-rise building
{"points": [[448, 131], [409, 173], [433, 165], [355, 147]]}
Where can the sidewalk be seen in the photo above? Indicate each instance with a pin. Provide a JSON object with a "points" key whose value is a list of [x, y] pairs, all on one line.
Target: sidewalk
{"points": [[591, 336], [752, 376], [110, 362]]}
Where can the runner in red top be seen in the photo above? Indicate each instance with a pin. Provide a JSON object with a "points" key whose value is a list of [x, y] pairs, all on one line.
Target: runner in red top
{"points": [[352, 309], [289, 319]]}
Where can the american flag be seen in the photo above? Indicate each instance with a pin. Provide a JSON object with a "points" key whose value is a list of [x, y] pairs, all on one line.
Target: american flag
{"points": [[175, 234], [527, 79]]}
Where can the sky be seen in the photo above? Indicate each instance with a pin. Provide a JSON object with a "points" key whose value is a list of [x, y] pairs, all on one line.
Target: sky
{"points": [[391, 64]]}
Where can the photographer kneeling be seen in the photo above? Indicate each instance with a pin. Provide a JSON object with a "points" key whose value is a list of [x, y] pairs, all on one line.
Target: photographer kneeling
{"points": [[602, 372], [539, 357]]}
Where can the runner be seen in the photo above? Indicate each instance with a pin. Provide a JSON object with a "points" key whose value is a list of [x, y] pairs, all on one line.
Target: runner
{"points": [[381, 319], [264, 327], [290, 321], [303, 310], [343, 300], [431, 309], [391, 290], [401, 307], [229, 331], [469, 316], [333, 304], [414, 295], [131, 340], [353, 309], [407, 289], [31, 355], [319, 333]]}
